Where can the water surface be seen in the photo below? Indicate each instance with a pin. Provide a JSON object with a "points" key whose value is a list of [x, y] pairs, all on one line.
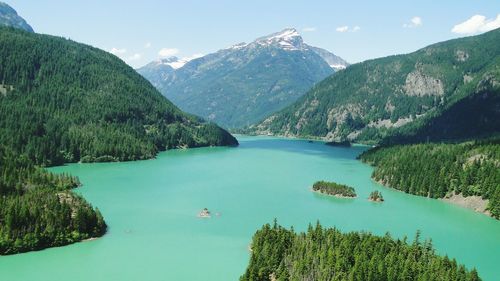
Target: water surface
{"points": [[154, 234]]}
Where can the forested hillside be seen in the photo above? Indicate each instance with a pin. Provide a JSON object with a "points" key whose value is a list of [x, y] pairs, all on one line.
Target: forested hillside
{"points": [[61, 101], [37, 210], [327, 254], [439, 170], [448, 90]]}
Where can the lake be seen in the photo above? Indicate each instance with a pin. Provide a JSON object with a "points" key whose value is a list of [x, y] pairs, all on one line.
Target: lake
{"points": [[154, 233]]}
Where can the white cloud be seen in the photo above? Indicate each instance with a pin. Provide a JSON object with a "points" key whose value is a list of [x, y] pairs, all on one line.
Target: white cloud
{"points": [[342, 28], [476, 24], [134, 57], [414, 22], [168, 52], [309, 29], [147, 45], [117, 52], [346, 28]]}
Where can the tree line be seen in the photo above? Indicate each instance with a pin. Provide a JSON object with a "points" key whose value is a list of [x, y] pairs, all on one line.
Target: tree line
{"points": [[326, 254], [333, 188], [437, 170], [60, 102], [37, 209]]}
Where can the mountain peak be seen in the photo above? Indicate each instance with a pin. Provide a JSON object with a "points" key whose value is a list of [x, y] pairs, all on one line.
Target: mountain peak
{"points": [[285, 34], [288, 39], [242, 84]]}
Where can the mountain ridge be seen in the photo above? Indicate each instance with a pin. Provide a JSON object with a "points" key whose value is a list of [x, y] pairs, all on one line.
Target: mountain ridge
{"points": [[9, 17], [245, 82], [118, 100], [392, 97]]}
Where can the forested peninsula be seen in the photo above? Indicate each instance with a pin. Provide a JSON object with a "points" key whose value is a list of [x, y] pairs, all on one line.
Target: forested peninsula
{"points": [[440, 170], [326, 254]]}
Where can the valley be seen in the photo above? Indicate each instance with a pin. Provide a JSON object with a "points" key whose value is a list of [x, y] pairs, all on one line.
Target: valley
{"points": [[151, 209], [152, 152], [242, 84]]}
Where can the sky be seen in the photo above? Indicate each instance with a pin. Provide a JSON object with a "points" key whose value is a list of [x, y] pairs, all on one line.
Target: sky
{"points": [[142, 31]]}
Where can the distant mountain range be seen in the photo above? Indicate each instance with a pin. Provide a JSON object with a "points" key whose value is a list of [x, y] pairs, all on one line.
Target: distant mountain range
{"points": [[9, 17], [446, 91], [244, 83]]}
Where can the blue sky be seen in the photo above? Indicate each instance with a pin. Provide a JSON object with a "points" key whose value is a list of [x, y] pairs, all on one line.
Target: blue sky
{"points": [[356, 30]]}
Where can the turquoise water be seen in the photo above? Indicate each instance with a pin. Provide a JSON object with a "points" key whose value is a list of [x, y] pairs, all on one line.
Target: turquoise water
{"points": [[154, 233]]}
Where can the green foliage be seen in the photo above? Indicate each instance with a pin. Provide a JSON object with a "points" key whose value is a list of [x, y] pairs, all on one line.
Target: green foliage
{"points": [[437, 170], [37, 210], [344, 143], [329, 255], [332, 188], [70, 101], [60, 102], [475, 116], [365, 101], [376, 196]]}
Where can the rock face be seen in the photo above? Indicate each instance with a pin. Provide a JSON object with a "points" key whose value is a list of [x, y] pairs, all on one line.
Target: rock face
{"points": [[475, 203], [246, 82], [444, 91], [205, 213], [9, 17], [419, 84]]}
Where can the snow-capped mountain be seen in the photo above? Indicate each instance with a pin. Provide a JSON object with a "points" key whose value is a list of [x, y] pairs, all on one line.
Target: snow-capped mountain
{"points": [[246, 82], [289, 39]]}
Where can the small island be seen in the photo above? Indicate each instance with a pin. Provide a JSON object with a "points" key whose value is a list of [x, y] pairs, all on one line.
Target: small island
{"points": [[205, 213], [334, 189], [344, 143], [376, 196]]}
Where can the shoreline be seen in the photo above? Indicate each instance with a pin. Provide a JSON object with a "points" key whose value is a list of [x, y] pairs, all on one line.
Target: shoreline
{"points": [[90, 239], [473, 203], [305, 138], [334, 195]]}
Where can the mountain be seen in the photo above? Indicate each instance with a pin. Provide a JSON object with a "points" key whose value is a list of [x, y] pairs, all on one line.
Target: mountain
{"points": [[244, 83], [62, 101], [161, 70], [335, 62], [9, 17], [449, 90]]}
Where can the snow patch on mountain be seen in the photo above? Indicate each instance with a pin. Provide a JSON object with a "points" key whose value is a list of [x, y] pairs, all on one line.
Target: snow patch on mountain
{"points": [[288, 39], [238, 46], [176, 62], [338, 66]]}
